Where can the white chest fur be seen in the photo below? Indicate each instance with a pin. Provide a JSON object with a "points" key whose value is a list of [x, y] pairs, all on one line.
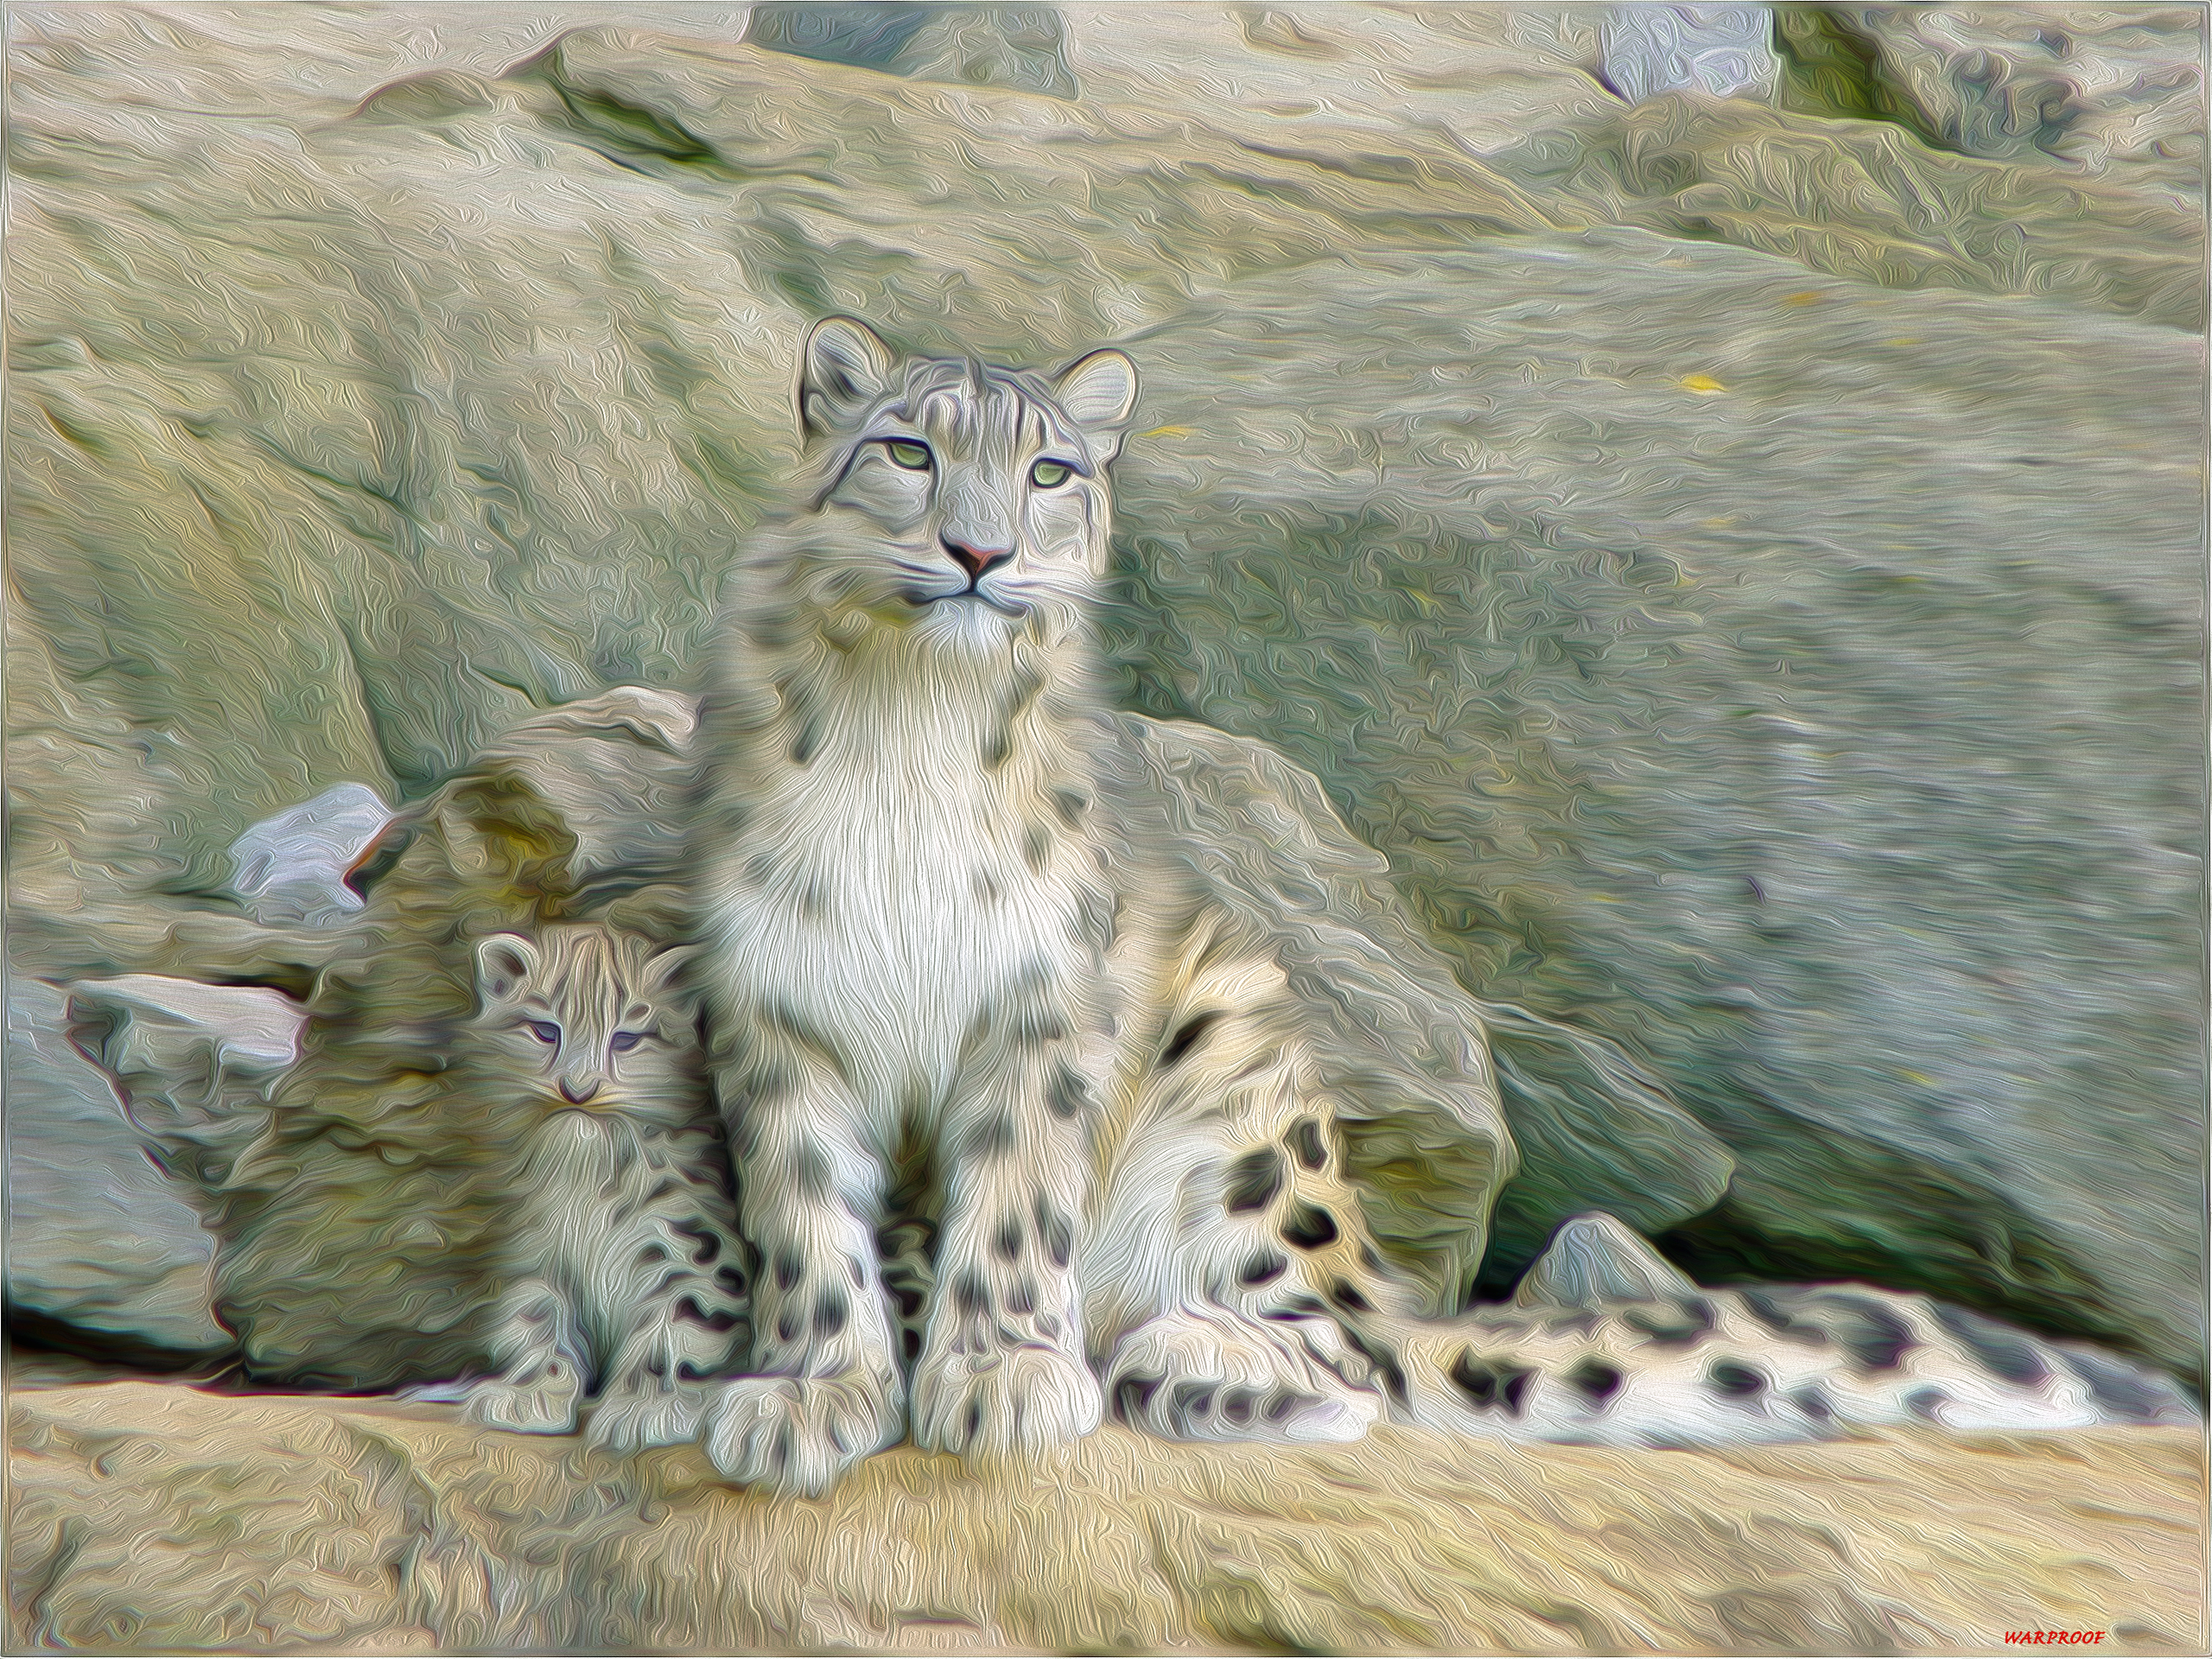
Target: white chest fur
{"points": [[888, 886]]}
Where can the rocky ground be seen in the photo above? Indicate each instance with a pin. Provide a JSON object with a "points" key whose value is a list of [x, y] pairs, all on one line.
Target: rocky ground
{"points": [[151, 1518], [1739, 560]]}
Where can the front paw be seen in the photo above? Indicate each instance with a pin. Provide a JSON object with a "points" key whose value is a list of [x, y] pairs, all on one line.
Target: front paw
{"points": [[1019, 1400], [632, 1420], [545, 1404], [1189, 1377], [798, 1434]]}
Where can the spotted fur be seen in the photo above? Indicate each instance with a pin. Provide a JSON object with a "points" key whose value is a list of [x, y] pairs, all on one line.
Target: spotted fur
{"points": [[1054, 1085], [1637, 1355], [619, 1256]]}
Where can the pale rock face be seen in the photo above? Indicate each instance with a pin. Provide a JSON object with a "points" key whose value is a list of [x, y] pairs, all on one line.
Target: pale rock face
{"points": [[293, 868], [1725, 51]]}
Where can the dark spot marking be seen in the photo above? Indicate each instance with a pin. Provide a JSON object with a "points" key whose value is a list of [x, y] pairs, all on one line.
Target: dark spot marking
{"points": [[909, 1298], [991, 1136], [1186, 1037], [1695, 1319], [1344, 1293], [1262, 1269], [731, 1280], [788, 1268], [691, 1313], [969, 1293], [831, 1313], [2006, 1353], [1064, 1094], [651, 1253], [811, 1169], [1254, 1179], [1305, 1139], [1299, 1305], [1070, 806], [2117, 1388], [1813, 1402], [1770, 1310], [1736, 1381], [975, 1419], [813, 902], [1926, 1402], [787, 1326], [909, 1344], [1190, 1399], [996, 747], [985, 889], [1237, 1405], [1132, 1394], [1033, 1028], [1036, 847], [1487, 1384], [1008, 1244], [1024, 1300], [706, 1244], [1388, 1371], [1056, 1231], [1309, 1227], [804, 745], [1368, 1258], [1596, 1380], [1872, 1335], [1048, 1327]]}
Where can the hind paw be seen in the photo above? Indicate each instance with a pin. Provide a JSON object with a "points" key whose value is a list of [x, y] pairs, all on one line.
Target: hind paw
{"points": [[545, 1404], [798, 1434], [1189, 1377], [635, 1419], [1023, 1401]]}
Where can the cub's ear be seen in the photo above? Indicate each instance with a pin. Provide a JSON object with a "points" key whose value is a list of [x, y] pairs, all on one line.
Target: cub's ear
{"points": [[1098, 394], [665, 968], [845, 368], [504, 961]]}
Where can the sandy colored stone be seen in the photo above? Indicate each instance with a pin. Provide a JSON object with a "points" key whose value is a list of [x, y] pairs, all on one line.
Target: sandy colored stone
{"points": [[156, 1517]]}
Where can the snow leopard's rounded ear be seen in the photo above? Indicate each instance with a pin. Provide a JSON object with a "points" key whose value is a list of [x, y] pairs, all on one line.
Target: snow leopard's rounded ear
{"points": [[1098, 394], [504, 961], [665, 968], [845, 368]]}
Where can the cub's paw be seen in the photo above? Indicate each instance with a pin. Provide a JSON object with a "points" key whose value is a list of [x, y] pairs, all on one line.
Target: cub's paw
{"points": [[546, 1404], [1191, 1377], [798, 1434], [631, 1420], [1021, 1401]]}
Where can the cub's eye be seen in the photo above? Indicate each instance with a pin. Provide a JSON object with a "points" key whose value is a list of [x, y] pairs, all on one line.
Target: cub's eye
{"points": [[915, 457], [543, 1031], [623, 1041], [1051, 474]]}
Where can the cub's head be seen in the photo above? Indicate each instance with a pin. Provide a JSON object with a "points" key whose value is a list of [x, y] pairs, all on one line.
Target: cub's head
{"points": [[586, 1015], [961, 504]]}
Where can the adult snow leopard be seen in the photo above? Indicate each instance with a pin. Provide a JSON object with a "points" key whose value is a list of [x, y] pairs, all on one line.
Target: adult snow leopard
{"points": [[1031, 1081]]}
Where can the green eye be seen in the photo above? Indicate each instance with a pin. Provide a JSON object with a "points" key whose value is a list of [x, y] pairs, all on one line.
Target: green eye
{"points": [[1051, 474], [915, 457]]}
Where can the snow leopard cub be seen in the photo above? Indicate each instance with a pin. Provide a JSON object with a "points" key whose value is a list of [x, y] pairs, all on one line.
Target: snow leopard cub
{"points": [[619, 1256]]}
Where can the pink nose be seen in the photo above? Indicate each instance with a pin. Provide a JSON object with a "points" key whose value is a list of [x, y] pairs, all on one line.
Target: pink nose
{"points": [[576, 1093], [974, 560]]}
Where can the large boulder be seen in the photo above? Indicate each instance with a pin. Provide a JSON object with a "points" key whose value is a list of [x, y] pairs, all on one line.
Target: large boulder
{"points": [[104, 1253], [1741, 569]]}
